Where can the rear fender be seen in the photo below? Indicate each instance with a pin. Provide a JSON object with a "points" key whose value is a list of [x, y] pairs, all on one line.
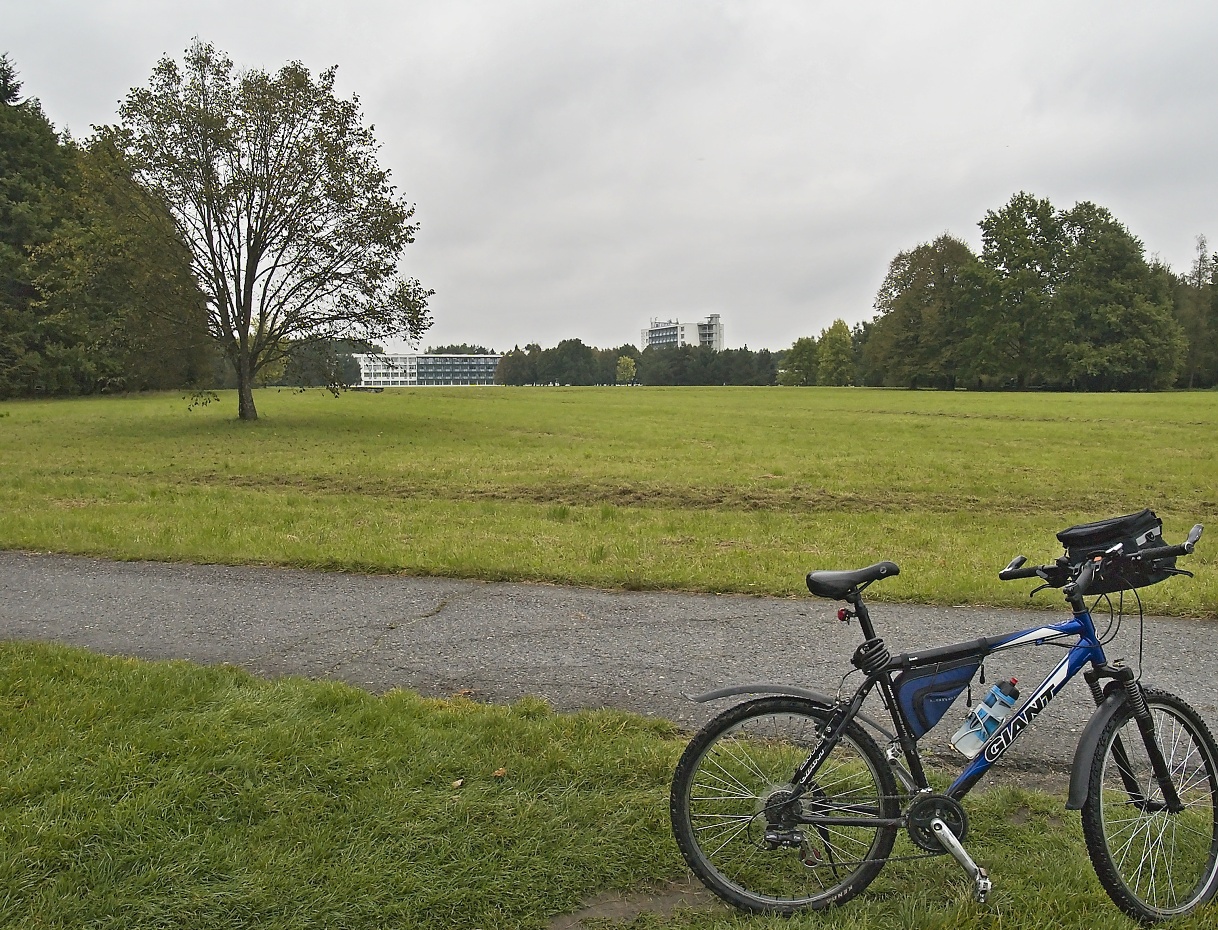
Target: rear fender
{"points": [[816, 697], [1088, 743]]}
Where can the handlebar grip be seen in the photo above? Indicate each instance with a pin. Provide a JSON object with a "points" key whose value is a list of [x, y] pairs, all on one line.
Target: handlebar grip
{"points": [[1013, 574], [1167, 552], [1162, 552]]}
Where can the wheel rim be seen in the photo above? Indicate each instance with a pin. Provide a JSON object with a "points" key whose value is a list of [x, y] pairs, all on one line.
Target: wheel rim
{"points": [[740, 791], [1165, 861]]}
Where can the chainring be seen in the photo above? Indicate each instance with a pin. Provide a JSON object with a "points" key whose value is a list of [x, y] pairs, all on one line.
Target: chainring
{"points": [[926, 808]]}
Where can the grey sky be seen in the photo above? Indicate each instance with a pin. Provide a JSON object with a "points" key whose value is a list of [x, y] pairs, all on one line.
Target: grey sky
{"points": [[582, 167]]}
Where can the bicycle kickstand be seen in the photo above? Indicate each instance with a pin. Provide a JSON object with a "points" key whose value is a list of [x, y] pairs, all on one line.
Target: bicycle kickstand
{"points": [[980, 877]]}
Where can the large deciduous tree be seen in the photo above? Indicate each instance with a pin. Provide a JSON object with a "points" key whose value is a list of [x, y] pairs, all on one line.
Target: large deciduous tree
{"points": [[295, 230], [1116, 328], [1077, 304], [1022, 244], [922, 335]]}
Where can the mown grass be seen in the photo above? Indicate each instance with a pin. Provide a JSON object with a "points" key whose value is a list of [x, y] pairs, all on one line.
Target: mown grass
{"points": [[720, 489], [137, 794]]}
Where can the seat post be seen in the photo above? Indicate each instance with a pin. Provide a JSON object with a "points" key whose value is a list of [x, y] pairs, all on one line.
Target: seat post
{"points": [[855, 599]]}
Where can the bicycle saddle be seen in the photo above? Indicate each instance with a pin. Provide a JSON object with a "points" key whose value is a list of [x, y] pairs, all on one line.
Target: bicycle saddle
{"points": [[839, 585]]}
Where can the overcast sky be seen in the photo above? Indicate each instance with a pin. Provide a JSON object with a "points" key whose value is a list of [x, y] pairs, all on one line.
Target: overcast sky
{"points": [[580, 168]]}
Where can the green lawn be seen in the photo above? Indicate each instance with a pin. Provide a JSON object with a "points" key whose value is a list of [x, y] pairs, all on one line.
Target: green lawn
{"points": [[713, 489], [142, 795]]}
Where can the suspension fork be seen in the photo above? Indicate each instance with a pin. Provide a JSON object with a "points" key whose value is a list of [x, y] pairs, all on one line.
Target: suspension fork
{"points": [[1093, 676], [1146, 726]]}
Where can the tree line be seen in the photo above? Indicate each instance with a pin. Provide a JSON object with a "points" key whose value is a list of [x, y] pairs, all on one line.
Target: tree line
{"points": [[234, 227], [571, 362], [1057, 299]]}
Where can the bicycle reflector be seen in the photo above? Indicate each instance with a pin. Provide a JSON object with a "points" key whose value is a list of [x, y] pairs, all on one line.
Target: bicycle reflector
{"points": [[844, 614]]}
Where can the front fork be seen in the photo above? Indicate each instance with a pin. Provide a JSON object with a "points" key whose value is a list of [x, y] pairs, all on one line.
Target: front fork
{"points": [[1124, 677]]}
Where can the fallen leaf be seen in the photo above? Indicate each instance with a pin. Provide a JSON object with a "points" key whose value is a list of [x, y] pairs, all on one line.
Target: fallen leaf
{"points": [[459, 782], [499, 773]]}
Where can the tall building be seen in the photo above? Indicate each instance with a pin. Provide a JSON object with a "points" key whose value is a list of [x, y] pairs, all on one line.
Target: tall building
{"points": [[662, 333], [419, 370]]}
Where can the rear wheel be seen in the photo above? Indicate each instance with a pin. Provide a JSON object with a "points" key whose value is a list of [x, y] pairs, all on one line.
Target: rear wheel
{"points": [[744, 828], [1154, 863]]}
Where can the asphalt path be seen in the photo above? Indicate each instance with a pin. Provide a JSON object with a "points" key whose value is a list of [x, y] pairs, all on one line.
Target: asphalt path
{"points": [[575, 647]]}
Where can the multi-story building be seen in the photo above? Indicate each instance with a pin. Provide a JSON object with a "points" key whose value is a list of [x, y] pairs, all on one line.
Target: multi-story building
{"points": [[419, 370], [662, 333]]}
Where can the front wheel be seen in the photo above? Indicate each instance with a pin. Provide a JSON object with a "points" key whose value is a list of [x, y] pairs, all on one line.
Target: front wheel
{"points": [[757, 841], [1153, 863]]}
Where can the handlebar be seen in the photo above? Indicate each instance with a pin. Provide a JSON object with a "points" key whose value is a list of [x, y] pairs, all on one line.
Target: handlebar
{"points": [[1058, 574]]}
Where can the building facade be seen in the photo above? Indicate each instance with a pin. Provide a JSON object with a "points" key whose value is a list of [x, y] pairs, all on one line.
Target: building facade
{"points": [[664, 333], [425, 370]]}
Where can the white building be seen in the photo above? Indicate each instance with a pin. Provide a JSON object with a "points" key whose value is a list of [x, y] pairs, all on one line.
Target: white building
{"points": [[662, 333], [419, 370]]}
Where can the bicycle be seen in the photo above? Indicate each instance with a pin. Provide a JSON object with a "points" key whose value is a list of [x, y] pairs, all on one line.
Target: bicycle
{"points": [[787, 802]]}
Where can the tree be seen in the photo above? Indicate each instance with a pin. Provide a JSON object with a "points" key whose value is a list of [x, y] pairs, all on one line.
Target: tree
{"points": [[116, 287], [330, 364], [626, 370], [1018, 336], [33, 171], [799, 365], [1196, 310], [294, 229], [570, 362], [518, 367], [921, 335], [835, 355], [1115, 328]]}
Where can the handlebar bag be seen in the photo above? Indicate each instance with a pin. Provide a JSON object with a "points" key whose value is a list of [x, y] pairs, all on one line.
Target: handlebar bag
{"points": [[1141, 530], [925, 693]]}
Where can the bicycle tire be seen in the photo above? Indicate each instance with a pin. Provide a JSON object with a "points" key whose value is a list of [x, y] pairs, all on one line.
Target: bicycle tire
{"points": [[728, 789], [1154, 864]]}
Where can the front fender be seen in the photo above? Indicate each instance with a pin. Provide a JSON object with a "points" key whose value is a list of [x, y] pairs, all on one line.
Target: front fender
{"points": [[816, 697], [1088, 743]]}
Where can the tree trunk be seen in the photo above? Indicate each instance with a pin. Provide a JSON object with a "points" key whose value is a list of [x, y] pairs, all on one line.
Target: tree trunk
{"points": [[245, 389]]}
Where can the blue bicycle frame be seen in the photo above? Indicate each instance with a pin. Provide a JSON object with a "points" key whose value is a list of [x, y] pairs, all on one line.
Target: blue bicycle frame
{"points": [[1086, 651]]}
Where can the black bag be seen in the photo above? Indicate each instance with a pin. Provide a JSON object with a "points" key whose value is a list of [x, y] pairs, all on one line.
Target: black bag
{"points": [[1142, 530], [925, 693]]}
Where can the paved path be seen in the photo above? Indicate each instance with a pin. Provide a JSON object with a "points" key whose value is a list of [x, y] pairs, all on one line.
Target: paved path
{"points": [[575, 647]]}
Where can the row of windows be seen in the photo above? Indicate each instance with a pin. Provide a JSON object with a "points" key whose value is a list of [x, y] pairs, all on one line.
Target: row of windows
{"points": [[410, 370]]}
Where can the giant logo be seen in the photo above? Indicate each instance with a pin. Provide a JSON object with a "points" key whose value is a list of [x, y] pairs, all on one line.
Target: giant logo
{"points": [[1002, 741]]}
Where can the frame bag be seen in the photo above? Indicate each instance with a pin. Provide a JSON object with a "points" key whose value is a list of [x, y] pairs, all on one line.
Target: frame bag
{"points": [[926, 692]]}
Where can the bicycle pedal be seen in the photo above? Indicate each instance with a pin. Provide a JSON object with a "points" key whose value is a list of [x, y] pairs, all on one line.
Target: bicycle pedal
{"points": [[983, 885]]}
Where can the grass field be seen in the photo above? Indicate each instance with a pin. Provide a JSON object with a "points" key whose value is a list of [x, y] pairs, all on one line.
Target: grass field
{"points": [[715, 489], [141, 795]]}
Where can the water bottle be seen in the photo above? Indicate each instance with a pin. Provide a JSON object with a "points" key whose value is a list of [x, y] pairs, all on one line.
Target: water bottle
{"points": [[985, 718]]}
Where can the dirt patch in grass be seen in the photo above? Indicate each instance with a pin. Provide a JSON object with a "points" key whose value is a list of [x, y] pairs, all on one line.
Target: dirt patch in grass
{"points": [[620, 907], [763, 497]]}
